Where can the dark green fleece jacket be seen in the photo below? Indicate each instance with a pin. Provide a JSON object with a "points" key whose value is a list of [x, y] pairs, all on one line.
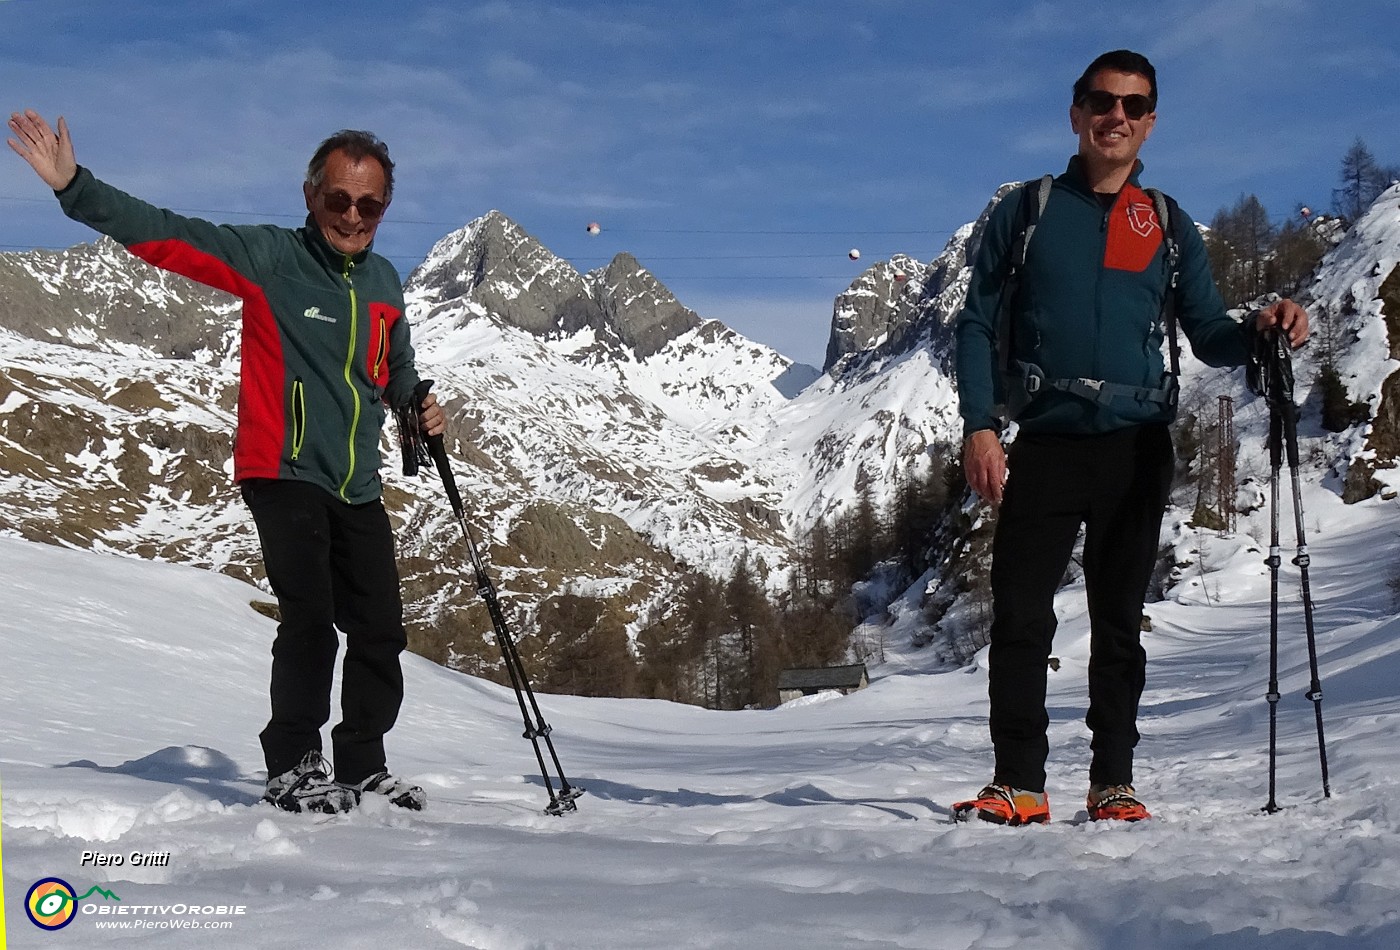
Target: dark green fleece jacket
{"points": [[325, 345]]}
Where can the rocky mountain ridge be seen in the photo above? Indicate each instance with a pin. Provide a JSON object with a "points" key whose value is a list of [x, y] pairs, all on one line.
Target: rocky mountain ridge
{"points": [[607, 438], [610, 439], [495, 264], [898, 305]]}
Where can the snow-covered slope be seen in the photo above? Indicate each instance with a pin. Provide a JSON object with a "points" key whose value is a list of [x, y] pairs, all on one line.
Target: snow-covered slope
{"points": [[602, 391], [887, 403], [609, 439], [1351, 324], [134, 691], [91, 297], [601, 430]]}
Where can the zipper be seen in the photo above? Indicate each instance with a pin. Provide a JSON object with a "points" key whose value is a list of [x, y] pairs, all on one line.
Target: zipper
{"points": [[1098, 286], [379, 352], [298, 417], [349, 365]]}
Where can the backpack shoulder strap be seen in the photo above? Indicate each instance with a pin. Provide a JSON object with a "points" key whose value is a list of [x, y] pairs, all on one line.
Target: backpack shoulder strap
{"points": [[1169, 216], [1031, 211], [1034, 196]]}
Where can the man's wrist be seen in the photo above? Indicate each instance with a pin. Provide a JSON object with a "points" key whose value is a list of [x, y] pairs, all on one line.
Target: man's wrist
{"points": [[77, 170]]}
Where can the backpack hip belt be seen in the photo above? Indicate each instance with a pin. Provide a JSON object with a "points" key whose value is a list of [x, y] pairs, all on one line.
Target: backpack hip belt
{"points": [[1101, 391]]}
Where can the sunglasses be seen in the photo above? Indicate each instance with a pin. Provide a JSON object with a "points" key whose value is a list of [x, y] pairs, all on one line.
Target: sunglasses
{"points": [[371, 209], [1101, 102]]}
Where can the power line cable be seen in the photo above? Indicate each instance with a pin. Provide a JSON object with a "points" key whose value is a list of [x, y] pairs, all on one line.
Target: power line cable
{"points": [[571, 260], [762, 232], [667, 279]]}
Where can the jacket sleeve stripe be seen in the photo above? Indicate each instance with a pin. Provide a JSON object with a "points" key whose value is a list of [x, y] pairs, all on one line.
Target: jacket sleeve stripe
{"points": [[261, 411]]}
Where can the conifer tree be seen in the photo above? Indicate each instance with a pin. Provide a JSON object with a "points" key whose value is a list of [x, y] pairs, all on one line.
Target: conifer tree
{"points": [[1239, 248], [1362, 181]]}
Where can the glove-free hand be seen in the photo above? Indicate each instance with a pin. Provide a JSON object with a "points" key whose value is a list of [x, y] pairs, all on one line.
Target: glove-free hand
{"points": [[984, 465], [49, 153], [431, 417]]}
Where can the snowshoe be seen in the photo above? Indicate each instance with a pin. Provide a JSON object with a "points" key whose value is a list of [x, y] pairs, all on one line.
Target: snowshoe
{"points": [[308, 787], [398, 791], [1114, 803], [1004, 805]]}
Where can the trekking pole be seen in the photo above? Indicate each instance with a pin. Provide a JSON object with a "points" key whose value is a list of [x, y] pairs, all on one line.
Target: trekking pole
{"points": [[1272, 696], [535, 730], [1303, 560], [1276, 385]]}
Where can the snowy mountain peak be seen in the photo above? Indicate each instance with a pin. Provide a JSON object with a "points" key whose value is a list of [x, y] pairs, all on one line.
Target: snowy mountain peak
{"points": [[900, 305], [879, 305], [494, 263], [638, 308]]}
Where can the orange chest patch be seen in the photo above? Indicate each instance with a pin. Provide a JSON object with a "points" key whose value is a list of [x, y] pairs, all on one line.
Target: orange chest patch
{"points": [[1134, 232]]}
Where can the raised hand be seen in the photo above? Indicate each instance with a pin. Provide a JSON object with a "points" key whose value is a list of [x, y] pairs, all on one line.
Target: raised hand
{"points": [[49, 153]]}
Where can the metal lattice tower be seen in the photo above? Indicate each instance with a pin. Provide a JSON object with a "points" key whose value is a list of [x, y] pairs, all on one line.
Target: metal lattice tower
{"points": [[1226, 487]]}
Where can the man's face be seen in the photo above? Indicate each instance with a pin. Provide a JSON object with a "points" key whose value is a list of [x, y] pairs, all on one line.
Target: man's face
{"points": [[1112, 140], [349, 231]]}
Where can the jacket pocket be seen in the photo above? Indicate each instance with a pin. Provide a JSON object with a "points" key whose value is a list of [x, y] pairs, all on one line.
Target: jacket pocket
{"points": [[382, 318], [298, 414], [378, 368]]}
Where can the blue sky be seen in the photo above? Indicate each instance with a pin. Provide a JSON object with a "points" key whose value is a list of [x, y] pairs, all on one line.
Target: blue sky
{"points": [[738, 149]]}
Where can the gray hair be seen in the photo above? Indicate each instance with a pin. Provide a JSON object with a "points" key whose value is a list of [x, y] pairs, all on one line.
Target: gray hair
{"points": [[357, 146]]}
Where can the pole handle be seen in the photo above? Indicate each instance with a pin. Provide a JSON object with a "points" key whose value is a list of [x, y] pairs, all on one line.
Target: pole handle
{"points": [[437, 450]]}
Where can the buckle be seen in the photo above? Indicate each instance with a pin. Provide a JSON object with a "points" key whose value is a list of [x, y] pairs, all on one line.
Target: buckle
{"points": [[1096, 387], [1033, 378]]}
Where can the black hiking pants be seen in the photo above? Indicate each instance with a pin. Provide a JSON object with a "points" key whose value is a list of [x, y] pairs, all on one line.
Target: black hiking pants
{"points": [[331, 565], [1116, 485]]}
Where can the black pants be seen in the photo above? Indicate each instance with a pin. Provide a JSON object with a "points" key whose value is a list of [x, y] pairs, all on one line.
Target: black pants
{"points": [[330, 565], [1116, 485]]}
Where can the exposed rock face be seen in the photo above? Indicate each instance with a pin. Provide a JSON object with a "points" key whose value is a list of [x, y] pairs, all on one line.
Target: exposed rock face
{"points": [[881, 305], [901, 304], [494, 264], [98, 297], [1383, 440], [637, 307]]}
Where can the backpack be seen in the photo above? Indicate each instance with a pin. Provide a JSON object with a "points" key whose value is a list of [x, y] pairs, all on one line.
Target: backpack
{"points": [[1021, 381]]}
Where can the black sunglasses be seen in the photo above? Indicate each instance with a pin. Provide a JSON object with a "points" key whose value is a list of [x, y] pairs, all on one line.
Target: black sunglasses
{"points": [[1101, 102], [371, 209]]}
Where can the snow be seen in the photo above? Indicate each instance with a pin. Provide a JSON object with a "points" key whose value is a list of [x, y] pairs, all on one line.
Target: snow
{"points": [[134, 692]]}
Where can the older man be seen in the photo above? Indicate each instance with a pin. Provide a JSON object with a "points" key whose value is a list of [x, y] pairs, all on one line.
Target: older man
{"points": [[1084, 316], [325, 348]]}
